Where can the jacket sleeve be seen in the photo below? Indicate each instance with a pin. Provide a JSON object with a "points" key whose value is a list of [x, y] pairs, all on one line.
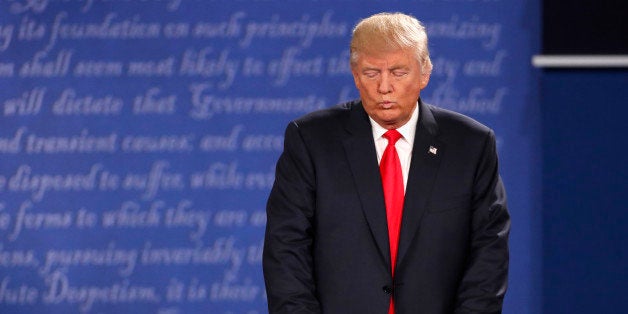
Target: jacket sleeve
{"points": [[287, 257], [485, 279]]}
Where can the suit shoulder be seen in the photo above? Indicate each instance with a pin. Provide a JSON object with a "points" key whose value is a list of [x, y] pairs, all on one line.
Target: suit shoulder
{"points": [[326, 118], [456, 122]]}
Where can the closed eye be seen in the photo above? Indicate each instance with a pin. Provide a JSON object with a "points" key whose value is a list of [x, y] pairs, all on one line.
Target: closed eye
{"points": [[400, 73], [371, 73]]}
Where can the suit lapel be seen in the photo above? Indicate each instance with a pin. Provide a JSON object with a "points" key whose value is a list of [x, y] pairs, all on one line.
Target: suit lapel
{"points": [[362, 157], [426, 157]]}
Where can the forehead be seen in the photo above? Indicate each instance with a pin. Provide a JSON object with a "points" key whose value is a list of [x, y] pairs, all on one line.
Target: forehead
{"points": [[387, 59]]}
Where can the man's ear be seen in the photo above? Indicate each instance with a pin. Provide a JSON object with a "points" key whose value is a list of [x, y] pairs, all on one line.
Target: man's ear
{"points": [[425, 78], [355, 77]]}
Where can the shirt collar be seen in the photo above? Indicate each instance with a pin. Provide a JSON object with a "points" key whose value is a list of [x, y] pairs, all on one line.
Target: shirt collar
{"points": [[407, 130]]}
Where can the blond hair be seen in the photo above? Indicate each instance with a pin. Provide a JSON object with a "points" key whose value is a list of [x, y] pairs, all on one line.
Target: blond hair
{"points": [[384, 32]]}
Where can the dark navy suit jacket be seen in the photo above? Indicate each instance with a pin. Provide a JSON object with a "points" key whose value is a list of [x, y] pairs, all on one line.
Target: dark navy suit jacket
{"points": [[326, 245]]}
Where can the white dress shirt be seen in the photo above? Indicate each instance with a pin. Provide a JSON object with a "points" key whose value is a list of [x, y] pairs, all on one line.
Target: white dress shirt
{"points": [[403, 145]]}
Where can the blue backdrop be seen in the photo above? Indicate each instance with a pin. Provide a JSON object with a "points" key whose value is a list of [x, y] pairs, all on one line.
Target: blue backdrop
{"points": [[138, 138], [584, 189]]}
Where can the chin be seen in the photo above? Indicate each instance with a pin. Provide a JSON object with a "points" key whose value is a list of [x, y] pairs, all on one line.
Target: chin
{"points": [[387, 122], [388, 118]]}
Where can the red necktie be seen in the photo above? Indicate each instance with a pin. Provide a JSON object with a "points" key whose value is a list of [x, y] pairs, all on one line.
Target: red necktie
{"points": [[392, 181]]}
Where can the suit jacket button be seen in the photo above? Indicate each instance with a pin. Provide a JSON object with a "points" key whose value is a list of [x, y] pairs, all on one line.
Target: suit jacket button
{"points": [[387, 289]]}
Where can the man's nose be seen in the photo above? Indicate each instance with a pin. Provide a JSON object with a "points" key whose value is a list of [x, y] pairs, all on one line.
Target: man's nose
{"points": [[384, 86]]}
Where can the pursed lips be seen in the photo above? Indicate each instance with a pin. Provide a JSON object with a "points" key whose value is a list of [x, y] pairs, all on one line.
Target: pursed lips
{"points": [[386, 104]]}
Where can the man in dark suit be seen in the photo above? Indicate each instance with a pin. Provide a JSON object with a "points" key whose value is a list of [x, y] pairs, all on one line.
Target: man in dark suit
{"points": [[339, 241]]}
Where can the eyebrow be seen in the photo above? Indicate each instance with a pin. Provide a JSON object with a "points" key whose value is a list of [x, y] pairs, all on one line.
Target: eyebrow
{"points": [[392, 68], [399, 67]]}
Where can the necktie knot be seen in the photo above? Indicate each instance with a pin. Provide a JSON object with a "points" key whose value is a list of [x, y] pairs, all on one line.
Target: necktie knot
{"points": [[392, 136]]}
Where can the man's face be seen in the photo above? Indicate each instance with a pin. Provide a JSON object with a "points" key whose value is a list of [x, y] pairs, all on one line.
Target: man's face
{"points": [[389, 85]]}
